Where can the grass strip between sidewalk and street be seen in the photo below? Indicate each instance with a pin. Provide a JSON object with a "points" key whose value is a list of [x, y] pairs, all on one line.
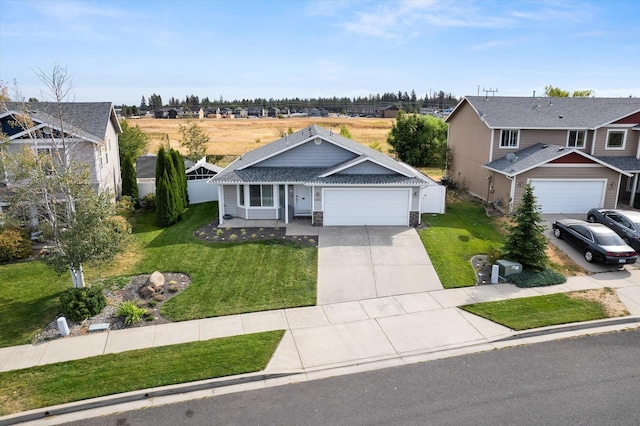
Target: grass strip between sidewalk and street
{"points": [[538, 311], [65, 382]]}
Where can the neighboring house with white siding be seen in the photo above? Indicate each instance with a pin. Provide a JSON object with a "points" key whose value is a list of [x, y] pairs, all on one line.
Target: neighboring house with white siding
{"points": [[90, 131], [319, 174], [577, 153]]}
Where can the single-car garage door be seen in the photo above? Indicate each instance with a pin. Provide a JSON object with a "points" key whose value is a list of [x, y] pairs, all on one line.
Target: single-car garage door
{"points": [[346, 207], [569, 196]]}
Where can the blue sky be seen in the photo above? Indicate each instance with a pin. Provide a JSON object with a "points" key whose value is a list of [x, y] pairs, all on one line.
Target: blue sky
{"points": [[121, 50]]}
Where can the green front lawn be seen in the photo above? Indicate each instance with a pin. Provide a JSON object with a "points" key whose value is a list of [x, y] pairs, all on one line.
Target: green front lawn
{"points": [[226, 278], [65, 382], [453, 238], [538, 311], [29, 294]]}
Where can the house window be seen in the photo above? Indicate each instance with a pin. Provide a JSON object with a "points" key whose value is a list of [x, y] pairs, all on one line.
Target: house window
{"points": [[615, 139], [576, 138], [261, 195], [241, 195], [509, 138]]}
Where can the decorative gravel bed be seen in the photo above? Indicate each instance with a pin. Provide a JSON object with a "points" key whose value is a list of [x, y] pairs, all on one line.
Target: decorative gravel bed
{"points": [[114, 297]]}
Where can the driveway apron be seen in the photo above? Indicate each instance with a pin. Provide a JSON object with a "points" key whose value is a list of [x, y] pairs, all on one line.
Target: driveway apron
{"points": [[365, 262]]}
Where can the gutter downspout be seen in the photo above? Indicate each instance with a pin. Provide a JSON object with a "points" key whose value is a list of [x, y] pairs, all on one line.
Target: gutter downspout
{"points": [[512, 192]]}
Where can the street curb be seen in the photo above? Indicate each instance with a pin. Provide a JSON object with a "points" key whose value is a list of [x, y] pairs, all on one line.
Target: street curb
{"points": [[570, 327], [145, 394]]}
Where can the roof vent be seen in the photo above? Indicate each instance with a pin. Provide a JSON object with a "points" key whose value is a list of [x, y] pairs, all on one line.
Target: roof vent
{"points": [[560, 149], [544, 146], [561, 116]]}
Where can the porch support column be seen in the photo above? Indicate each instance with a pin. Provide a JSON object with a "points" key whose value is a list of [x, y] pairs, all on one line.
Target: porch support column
{"points": [[633, 189], [286, 203], [220, 204]]}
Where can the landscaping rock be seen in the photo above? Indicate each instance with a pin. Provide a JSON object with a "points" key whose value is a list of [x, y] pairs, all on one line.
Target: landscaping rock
{"points": [[156, 280], [146, 292]]}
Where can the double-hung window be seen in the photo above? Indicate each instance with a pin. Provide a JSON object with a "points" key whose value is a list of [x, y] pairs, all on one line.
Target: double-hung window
{"points": [[615, 139], [509, 138], [576, 138]]}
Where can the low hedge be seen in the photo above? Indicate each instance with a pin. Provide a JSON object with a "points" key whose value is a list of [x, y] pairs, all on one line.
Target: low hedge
{"points": [[526, 279]]}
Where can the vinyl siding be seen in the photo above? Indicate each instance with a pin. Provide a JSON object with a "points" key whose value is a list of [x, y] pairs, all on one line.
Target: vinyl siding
{"points": [[309, 155], [630, 146], [231, 200], [469, 139], [529, 137]]}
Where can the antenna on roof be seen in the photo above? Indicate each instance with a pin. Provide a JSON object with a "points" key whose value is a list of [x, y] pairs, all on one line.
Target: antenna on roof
{"points": [[489, 90]]}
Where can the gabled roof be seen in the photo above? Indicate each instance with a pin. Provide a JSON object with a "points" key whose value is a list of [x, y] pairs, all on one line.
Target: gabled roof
{"points": [[537, 155], [203, 163], [87, 120], [146, 166], [247, 167], [501, 112]]}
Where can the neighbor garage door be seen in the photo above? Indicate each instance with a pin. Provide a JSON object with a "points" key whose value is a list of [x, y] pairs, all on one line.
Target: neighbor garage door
{"points": [[344, 207], [568, 196]]}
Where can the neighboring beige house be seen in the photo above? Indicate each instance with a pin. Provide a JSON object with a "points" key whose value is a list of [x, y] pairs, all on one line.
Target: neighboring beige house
{"points": [[577, 153], [90, 131]]}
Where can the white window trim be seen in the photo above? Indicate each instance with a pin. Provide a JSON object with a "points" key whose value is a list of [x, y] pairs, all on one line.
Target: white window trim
{"points": [[584, 139], [624, 139], [240, 189], [509, 146], [247, 196]]}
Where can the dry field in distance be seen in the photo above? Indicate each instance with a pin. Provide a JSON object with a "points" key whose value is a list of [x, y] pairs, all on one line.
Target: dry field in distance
{"points": [[233, 137]]}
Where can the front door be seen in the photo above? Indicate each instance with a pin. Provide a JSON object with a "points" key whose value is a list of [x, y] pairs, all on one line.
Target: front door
{"points": [[302, 200]]}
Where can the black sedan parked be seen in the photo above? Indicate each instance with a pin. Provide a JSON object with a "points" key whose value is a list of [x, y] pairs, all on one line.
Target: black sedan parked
{"points": [[596, 242], [624, 222]]}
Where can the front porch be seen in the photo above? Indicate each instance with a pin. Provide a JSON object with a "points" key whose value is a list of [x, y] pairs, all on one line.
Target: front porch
{"points": [[296, 226]]}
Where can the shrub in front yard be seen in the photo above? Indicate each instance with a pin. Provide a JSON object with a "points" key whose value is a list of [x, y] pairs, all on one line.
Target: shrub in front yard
{"points": [[14, 244], [131, 312], [81, 303], [546, 277]]}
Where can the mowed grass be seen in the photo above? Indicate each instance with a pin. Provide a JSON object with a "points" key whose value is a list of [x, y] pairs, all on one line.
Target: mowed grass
{"points": [[65, 382], [452, 239], [29, 294], [226, 278], [538, 311]]}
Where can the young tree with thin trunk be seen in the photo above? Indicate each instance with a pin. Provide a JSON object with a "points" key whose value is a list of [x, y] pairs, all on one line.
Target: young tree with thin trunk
{"points": [[55, 190], [194, 139]]}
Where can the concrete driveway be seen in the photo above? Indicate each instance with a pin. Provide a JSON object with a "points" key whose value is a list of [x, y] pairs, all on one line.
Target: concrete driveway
{"points": [[365, 262], [573, 253]]}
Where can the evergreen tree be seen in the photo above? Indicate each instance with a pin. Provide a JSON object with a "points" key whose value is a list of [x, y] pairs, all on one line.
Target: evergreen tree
{"points": [[163, 214], [178, 163], [526, 243], [129, 178], [175, 200]]}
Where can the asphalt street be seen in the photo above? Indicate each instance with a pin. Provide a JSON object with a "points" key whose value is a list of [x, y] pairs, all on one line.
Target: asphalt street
{"points": [[586, 380]]}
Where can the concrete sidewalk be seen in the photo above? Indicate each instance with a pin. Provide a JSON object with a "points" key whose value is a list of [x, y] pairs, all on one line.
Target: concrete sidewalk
{"points": [[340, 334]]}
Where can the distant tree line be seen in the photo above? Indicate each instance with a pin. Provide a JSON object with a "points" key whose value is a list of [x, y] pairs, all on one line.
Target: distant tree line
{"points": [[408, 102]]}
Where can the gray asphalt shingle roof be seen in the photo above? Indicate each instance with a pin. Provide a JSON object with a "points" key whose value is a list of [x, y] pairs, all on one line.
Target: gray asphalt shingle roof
{"points": [[538, 154], [501, 112], [88, 120], [246, 168]]}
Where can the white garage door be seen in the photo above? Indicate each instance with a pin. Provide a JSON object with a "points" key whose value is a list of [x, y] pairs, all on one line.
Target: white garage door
{"points": [[345, 207], [568, 196]]}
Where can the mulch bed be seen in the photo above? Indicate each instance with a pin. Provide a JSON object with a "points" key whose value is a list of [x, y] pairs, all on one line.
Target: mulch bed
{"points": [[211, 232]]}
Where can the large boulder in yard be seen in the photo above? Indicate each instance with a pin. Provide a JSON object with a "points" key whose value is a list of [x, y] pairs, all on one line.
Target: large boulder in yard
{"points": [[155, 280], [146, 292]]}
